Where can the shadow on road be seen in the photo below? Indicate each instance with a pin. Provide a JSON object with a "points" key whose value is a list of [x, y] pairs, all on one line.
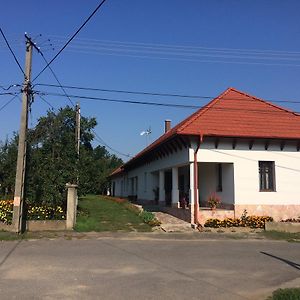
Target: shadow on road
{"points": [[290, 263], [9, 253]]}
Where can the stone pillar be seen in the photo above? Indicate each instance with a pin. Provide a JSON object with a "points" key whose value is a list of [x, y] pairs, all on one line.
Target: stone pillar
{"points": [[162, 193], [175, 190], [71, 205]]}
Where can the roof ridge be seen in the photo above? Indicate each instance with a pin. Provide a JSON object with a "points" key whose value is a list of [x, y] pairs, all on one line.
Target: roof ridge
{"points": [[264, 101], [202, 110]]}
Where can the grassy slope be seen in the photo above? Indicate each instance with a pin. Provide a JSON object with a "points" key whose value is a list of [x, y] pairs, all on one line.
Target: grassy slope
{"points": [[107, 215]]}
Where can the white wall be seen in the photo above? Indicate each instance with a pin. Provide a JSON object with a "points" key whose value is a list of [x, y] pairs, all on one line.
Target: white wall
{"points": [[179, 158], [246, 172]]}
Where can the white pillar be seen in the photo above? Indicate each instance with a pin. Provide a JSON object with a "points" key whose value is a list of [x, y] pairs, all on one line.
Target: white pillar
{"points": [[191, 193], [175, 190], [161, 186]]}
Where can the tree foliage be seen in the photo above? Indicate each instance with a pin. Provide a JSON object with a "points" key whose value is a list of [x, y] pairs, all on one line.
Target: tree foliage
{"points": [[53, 161]]}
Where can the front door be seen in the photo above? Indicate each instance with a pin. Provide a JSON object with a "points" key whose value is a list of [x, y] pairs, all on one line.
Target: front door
{"points": [[168, 187]]}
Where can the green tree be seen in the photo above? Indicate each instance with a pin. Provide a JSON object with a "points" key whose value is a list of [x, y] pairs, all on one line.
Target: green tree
{"points": [[52, 159]]}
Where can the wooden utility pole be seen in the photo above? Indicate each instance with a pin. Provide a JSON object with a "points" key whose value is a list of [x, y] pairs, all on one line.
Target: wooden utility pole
{"points": [[21, 161]]}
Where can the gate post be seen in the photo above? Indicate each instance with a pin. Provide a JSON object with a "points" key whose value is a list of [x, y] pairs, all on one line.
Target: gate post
{"points": [[71, 205]]}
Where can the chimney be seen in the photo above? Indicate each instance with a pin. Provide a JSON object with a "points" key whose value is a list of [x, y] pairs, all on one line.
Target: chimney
{"points": [[167, 125]]}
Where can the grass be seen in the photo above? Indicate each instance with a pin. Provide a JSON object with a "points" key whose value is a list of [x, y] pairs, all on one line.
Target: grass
{"points": [[278, 235], [102, 214], [286, 294]]}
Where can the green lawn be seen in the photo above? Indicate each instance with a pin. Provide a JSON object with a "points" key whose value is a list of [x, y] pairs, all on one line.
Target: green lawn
{"points": [[98, 213]]}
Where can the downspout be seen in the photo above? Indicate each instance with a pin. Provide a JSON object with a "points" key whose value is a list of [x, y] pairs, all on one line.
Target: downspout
{"points": [[196, 193]]}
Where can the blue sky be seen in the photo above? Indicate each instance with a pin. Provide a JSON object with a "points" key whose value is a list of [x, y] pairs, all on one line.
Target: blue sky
{"points": [[155, 46]]}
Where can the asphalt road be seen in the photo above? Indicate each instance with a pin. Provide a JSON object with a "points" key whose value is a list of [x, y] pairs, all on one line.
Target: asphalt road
{"points": [[137, 268]]}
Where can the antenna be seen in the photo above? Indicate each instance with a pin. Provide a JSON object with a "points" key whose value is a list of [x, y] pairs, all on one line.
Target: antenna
{"points": [[146, 133]]}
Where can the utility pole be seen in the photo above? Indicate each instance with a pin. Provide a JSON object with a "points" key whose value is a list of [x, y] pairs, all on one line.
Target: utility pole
{"points": [[77, 136], [77, 129], [21, 161]]}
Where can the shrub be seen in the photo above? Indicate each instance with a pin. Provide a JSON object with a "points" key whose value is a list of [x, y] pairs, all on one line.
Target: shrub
{"points": [[246, 221], [149, 218]]}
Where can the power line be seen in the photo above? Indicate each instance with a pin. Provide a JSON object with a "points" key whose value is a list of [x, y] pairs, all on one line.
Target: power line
{"points": [[12, 52], [150, 93], [263, 111], [86, 41], [96, 137], [9, 93], [124, 91], [101, 141], [56, 78], [47, 102], [70, 39], [188, 59], [8, 102], [121, 101]]}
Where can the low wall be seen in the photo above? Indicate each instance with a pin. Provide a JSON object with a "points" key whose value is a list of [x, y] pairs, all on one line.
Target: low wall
{"points": [[46, 225], [42, 225], [5, 227], [207, 213], [277, 212], [283, 226]]}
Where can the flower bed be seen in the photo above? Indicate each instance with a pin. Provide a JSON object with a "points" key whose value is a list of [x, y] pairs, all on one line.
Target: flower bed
{"points": [[33, 212], [294, 220], [247, 221], [6, 211]]}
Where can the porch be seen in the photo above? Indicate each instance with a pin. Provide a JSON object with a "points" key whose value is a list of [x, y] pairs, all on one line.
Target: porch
{"points": [[174, 190]]}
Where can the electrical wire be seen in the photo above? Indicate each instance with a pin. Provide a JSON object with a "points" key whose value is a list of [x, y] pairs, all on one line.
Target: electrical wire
{"points": [[101, 141], [121, 101], [188, 59], [168, 104], [124, 91], [9, 93], [194, 97], [86, 41], [8, 102], [47, 102], [70, 39], [56, 78], [12, 52]]}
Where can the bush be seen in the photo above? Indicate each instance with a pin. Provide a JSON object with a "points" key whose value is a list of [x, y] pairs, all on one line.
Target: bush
{"points": [[149, 218], [244, 221], [286, 294]]}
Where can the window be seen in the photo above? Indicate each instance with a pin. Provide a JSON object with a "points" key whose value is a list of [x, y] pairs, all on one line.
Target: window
{"points": [[219, 178], [266, 176], [145, 182]]}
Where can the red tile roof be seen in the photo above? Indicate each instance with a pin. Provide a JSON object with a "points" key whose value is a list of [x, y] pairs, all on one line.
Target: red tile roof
{"points": [[117, 172], [236, 114]]}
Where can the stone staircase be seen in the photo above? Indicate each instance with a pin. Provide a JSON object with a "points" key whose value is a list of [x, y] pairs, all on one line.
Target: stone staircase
{"points": [[170, 223]]}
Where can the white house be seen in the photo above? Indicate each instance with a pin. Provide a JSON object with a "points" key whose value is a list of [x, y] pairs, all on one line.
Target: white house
{"points": [[242, 148]]}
